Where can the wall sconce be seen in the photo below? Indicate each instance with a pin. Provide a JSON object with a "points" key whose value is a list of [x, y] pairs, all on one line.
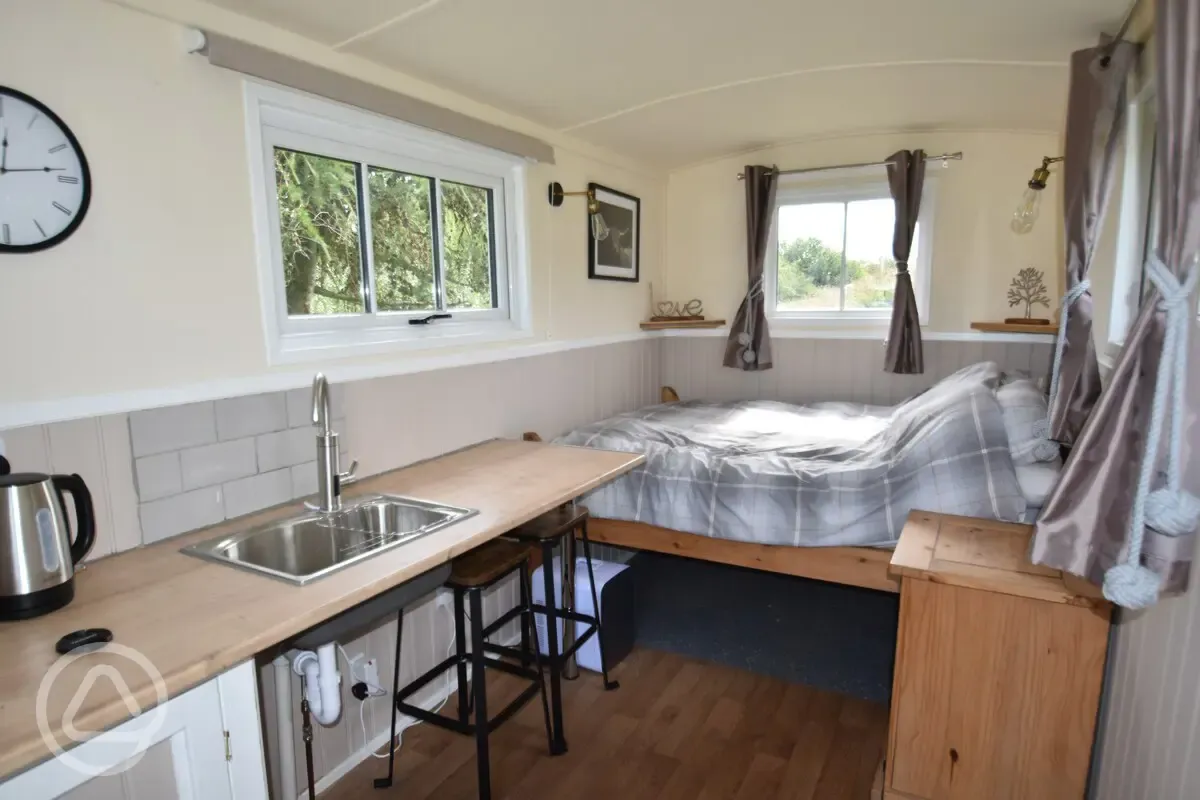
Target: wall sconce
{"points": [[1031, 200], [598, 225]]}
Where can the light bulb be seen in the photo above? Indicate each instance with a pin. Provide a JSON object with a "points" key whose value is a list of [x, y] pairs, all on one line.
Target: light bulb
{"points": [[599, 227], [1027, 210]]}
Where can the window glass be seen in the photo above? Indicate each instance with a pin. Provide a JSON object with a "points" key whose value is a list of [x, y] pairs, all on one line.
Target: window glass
{"points": [[811, 238], [319, 233], [467, 246], [870, 268], [837, 256], [402, 241]]}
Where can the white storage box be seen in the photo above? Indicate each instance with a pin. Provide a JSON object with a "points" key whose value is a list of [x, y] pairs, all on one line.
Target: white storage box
{"points": [[587, 656]]}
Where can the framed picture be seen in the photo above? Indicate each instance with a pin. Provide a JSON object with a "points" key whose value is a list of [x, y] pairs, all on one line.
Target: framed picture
{"points": [[616, 256]]}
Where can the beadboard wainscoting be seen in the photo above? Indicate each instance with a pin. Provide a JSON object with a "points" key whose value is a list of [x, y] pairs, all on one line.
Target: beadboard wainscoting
{"points": [[1150, 716], [817, 370]]}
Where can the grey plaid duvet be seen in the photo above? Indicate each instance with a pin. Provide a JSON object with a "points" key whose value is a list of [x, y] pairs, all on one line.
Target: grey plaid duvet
{"points": [[819, 475]]}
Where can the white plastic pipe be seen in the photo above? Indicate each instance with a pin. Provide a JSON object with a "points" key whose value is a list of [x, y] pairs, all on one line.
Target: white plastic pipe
{"points": [[283, 724], [322, 682]]}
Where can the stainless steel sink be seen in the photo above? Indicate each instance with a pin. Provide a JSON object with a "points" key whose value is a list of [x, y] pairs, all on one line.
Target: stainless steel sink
{"points": [[312, 546]]}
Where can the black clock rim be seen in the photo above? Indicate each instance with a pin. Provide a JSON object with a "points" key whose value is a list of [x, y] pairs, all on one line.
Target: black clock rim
{"points": [[84, 204]]}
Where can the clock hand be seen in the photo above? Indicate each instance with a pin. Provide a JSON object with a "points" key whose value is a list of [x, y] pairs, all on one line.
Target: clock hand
{"points": [[4, 154], [32, 169]]}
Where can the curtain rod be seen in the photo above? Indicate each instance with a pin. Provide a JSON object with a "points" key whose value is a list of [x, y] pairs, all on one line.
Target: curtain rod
{"points": [[943, 157]]}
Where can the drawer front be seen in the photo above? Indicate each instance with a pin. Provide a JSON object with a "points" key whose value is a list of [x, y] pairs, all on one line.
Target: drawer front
{"points": [[995, 696]]}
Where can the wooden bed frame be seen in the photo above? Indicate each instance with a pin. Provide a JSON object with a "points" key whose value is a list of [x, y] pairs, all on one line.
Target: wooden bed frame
{"points": [[853, 566]]}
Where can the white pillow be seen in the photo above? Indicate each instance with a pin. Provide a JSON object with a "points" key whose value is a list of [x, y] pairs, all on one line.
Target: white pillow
{"points": [[1023, 406], [1037, 481]]}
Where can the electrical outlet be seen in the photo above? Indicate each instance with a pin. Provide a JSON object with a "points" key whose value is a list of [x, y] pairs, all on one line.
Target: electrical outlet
{"points": [[445, 599], [371, 673]]}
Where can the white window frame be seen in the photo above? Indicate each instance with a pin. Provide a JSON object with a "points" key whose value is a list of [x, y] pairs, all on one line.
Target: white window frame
{"points": [[840, 186], [1136, 208], [276, 116]]}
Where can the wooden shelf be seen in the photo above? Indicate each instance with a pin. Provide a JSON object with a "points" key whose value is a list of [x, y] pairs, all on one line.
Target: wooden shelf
{"points": [[683, 323], [1009, 327]]}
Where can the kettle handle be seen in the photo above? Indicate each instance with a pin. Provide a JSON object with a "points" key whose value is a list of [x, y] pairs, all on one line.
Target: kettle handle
{"points": [[85, 514]]}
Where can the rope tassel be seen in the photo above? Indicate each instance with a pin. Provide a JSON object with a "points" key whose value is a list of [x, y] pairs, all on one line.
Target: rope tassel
{"points": [[1170, 510]]}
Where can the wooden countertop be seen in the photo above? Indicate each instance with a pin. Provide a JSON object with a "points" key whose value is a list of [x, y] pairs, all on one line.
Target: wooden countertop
{"points": [[193, 619], [984, 554]]}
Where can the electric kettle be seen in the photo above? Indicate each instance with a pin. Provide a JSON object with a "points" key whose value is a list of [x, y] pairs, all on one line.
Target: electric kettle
{"points": [[37, 553]]}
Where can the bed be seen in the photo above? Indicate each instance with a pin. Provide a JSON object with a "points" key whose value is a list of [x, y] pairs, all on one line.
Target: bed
{"points": [[820, 491]]}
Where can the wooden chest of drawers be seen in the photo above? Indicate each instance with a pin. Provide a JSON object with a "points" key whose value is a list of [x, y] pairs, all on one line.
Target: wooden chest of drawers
{"points": [[998, 667]]}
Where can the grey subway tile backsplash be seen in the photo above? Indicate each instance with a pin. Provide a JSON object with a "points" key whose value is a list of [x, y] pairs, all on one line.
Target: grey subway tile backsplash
{"points": [[171, 516], [304, 479], [223, 459], [160, 430], [218, 463], [158, 476], [239, 417], [285, 448], [257, 492]]}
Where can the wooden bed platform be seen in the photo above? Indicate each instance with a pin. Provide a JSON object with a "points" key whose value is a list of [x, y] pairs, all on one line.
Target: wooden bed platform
{"points": [[853, 566]]}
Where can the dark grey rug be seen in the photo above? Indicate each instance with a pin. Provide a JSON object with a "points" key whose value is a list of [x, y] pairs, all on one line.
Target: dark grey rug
{"points": [[829, 636]]}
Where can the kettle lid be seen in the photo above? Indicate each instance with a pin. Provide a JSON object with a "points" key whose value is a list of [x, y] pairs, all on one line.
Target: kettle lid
{"points": [[22, 479]]}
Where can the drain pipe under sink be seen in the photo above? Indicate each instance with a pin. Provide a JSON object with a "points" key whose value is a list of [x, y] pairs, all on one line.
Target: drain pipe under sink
{"points": [[322, 682], [283, 724]]}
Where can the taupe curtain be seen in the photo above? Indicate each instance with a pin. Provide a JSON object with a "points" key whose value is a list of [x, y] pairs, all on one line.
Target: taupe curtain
{"points": [[1095, 115], [1114, 517], [906, 176], [749, 346]]}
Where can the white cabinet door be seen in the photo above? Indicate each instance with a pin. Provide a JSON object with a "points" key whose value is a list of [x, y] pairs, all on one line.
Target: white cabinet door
{"points": [[202, 745], [247, 766]]}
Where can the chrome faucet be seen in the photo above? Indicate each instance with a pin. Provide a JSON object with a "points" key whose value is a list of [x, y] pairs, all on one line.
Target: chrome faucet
{"points": [[330, 478]]}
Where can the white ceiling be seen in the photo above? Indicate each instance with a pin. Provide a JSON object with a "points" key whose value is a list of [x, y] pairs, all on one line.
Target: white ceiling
{"points": [[677, 81]]}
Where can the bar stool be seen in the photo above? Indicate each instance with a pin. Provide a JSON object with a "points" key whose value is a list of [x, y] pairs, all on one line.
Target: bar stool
{"points": [[470, 574], [546, 532]]}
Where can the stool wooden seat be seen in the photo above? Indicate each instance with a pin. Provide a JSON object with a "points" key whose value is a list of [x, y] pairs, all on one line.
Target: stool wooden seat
{"points": [[486, 563], [551, 525]]}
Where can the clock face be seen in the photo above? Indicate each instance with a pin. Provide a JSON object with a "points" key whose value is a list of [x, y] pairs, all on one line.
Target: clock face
{"points": [[45, 186]]}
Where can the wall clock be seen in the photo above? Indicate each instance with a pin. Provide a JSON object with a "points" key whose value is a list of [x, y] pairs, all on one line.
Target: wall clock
{"points": [[45, 186]]}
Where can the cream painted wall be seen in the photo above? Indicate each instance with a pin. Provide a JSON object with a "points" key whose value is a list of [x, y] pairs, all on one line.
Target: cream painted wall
{"points": [[159, 286], [975, 254]]}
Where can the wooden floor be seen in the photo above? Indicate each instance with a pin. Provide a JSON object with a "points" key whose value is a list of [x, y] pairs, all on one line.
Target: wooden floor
{"points": [[677, 729]]}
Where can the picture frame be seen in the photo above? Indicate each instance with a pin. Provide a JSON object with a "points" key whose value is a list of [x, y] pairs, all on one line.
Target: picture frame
{"points": [[618, 256]]}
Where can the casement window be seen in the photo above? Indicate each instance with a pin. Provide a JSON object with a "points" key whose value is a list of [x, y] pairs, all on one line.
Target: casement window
{"points": [[830, 254], [375, 235]]}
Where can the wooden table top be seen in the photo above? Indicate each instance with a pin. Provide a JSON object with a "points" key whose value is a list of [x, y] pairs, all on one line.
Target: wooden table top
{"points": [[984, 554], [193, 619]]}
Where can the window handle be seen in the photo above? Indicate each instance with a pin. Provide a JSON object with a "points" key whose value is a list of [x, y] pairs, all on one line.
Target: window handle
{"points": [[427, 320]]}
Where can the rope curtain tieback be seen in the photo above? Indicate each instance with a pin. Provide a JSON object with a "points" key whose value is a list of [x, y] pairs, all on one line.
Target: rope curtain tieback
{"points": [[746, 337], [1170, 510], [1047, 449]]}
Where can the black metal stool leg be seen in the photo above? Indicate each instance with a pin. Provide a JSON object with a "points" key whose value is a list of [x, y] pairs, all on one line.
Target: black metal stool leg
{"points": [[528, 624], [479, 690], [527, 617], [559, 744], [383, 783], [460, 650], [587, 556]]}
